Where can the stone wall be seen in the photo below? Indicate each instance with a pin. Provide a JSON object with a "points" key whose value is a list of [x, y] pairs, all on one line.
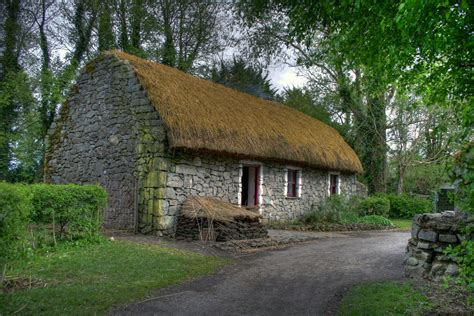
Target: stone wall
{"points": [[201, 175], [109, 133], [431, 234]]}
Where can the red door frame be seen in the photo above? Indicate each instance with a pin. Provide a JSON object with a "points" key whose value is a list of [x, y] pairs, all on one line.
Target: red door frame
{"points": [[257, 181]]}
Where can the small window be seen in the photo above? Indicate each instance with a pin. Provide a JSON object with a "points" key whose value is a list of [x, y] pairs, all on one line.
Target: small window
{"points": [[333, 184], [292, 188]]}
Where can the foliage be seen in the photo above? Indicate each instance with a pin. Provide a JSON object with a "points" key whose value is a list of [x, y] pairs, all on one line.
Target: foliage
{"points": [[339, 210], [303, 101], [75, 211], [334, 209], [406, 206], [421, 178], [93, 278], [374, 205], [15, 209], [463, 255], [463, 174], [384, 298], [375, 220], [244, 77], [424, 47], [38, 216]]}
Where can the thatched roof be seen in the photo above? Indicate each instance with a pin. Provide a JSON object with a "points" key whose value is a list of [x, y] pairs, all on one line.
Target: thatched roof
{"points": [[211, 208], [204, 116]]}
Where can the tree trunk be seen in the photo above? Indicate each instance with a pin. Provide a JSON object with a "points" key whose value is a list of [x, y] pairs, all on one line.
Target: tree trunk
{"points": [[376, 142], [9, 68], [46, 109], [105, 30], [124, 45]]}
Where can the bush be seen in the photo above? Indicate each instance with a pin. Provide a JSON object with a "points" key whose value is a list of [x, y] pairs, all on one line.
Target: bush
{"points": [[15, 209], [375, 220], [73, 211], [335, 209], [463, 255], [374, 205], [406, 206]]}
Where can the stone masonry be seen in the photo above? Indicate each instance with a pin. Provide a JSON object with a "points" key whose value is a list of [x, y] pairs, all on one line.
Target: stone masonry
{"points": [[109, 133], [431, 235]]}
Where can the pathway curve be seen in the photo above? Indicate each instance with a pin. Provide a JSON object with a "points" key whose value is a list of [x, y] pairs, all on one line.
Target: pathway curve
{"points": [[304, 279]]}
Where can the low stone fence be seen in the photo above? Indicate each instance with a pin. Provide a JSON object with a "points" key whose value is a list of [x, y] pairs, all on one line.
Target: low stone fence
{"points": [[431, 234]]}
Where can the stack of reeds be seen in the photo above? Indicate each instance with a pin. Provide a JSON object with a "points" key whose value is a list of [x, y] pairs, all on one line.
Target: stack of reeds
{"points": [[214, 220]]}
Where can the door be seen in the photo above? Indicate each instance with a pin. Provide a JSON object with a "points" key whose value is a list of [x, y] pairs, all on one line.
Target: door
{"points": [[250, 180]]}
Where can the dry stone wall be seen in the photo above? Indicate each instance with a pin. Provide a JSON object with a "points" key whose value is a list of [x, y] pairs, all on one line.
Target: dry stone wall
{"points": [[201, 175], [109, 133], [431, 234]]}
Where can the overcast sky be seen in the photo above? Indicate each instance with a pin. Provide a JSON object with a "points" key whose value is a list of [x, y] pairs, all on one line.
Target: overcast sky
{"points": [[283, 76]]}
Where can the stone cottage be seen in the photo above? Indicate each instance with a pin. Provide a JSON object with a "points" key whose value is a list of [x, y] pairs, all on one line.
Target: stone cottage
{"points": [[153, 135]]}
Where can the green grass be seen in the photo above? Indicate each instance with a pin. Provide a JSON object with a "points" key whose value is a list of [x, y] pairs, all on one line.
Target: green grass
{"points": [[93, 278], [385, 298], [402, 223]]}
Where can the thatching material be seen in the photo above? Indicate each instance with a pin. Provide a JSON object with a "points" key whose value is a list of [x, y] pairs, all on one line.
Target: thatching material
{"points": [[204, 116], [207, 207], [213, 220]]}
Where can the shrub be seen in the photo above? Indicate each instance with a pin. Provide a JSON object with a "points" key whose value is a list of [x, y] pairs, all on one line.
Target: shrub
{"points": [[14, 213], [330, 211], [406, 206], [375, 220], [374, 205], [73, 211], [463, 255], [335, 209]]}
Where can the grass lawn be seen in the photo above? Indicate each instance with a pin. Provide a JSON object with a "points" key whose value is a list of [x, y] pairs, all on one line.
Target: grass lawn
{"points": [[385, 298], [402, 223], [93, 278]]}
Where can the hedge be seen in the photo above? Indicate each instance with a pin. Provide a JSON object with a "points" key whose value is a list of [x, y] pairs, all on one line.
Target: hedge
{"points": [[39, 214], [15, 207], [406, 206], [75, 211]]}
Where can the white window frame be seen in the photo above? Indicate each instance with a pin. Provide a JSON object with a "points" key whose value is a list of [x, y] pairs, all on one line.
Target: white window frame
{"points": [[299, 182], [338, 185], [243, 163]]}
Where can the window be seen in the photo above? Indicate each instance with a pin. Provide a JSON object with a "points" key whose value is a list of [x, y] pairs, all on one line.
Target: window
{"points": [[292, 187], [333, 184]]}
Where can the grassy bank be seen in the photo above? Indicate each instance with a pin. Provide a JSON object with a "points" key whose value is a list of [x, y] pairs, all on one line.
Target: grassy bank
{"points": [[92, 278], [407, 298], [402, 223], [386, 298]]}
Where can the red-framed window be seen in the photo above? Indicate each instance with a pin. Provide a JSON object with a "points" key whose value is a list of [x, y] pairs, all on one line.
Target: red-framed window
{"points": [[292, 188], [333, 179]]}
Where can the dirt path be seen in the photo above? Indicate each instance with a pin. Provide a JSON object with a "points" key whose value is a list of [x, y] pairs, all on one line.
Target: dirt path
{"points": [[304, 279]]}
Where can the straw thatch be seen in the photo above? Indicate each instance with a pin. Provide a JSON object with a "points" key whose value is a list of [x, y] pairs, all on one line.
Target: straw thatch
{"points": [[204, 218], [204, 116], [211, 208]]}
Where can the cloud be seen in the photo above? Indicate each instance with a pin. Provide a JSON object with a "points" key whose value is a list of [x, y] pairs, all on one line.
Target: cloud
{"points": [[284, 76]]}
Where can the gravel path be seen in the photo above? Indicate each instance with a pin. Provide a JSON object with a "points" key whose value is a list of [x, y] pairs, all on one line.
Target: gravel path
{"points": [[304, 279]]}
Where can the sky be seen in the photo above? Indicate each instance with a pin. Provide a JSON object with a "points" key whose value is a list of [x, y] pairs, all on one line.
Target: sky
{"points": [[283, 76]]}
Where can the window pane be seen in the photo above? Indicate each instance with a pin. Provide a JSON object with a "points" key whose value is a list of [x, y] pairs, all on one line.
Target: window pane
{"points": [[333, 184], [291, 175], [290, 190]]}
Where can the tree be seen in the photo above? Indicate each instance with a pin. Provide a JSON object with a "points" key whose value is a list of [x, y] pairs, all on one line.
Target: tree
{"points": [[106, 36], [421, 46], [243, 77], [189, 30], [303, 100], [15, 89]]}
